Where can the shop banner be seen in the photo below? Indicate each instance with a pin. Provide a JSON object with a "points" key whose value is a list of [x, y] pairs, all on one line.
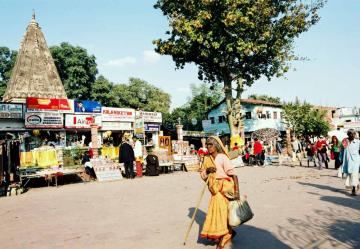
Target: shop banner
{"points": [[152, 127], [81, 121], [44, 120], [150, 117], [116, 126], [118, 114], [87, 106], [44, 104], [11, 110]]}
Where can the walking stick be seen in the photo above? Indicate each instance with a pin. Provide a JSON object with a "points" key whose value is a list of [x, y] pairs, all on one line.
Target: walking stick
{"points": [[196, 209]]}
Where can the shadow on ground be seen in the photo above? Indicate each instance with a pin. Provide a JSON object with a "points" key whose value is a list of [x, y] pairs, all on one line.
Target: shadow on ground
{"points": [[324, 187], [324, 229], [248, 237]]}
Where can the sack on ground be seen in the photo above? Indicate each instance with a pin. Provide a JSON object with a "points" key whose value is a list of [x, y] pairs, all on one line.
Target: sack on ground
{"points": [[239, 212]]}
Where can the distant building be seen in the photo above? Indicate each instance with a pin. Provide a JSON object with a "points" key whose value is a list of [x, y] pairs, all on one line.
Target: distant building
{"points": [[347, 118], [258, 114]]}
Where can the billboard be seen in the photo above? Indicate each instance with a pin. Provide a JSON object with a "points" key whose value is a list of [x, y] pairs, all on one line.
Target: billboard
{"points": [[81, 121], [150, 117], [118, 114], [50, 105], [87, 106], [44, 120], [11, 110]]}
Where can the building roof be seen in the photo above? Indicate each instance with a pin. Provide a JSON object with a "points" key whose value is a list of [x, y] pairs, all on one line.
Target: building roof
{"points": [[35, 73], [249, 101]]}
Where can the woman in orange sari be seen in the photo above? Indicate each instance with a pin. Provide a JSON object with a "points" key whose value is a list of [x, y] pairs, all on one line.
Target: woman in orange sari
{"points": [[218, 170]]}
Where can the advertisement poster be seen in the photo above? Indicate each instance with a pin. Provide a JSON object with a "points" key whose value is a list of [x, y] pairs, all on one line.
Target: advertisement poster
{"points": [[152, 127], [44, 120], [139, 126], [81, 121], [118, 114], [87, 106], [44, 104], [11, 110]]}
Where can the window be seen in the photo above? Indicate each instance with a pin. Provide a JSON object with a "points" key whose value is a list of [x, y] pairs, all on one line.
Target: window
{"points": [[275, 115], [248, 115], [212, 120], [268, 115], [222, 119], [281, 115]]}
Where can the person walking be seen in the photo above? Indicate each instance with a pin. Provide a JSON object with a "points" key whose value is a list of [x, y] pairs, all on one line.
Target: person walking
{"points": [[310, 153], [350, 157], [218, 171], [335, 146], [321, 146], [296, 151], [126, 156]]}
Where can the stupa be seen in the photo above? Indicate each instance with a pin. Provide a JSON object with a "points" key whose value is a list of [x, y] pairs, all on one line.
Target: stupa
{"points": [[35, 73]]}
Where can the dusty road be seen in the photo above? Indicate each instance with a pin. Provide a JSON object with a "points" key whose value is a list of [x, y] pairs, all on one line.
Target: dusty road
{"points": [[294, 208]]}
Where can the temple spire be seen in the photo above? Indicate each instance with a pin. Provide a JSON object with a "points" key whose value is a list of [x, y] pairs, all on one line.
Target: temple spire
{"points": [[34, 73]]}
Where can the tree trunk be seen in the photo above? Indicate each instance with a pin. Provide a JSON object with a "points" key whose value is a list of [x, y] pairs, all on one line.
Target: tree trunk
{"points": [[229, 102]]}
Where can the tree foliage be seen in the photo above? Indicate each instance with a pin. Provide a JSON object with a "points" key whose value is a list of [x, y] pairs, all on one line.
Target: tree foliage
{"points": [[268, 98], [303, 119], [102, 90], [7, 62], [201, 101], [139, 94], [235, 40], [77, 69]]}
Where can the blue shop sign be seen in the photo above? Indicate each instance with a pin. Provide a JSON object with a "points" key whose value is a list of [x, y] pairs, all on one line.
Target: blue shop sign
{"points": [[87, 106], [152, 127]]}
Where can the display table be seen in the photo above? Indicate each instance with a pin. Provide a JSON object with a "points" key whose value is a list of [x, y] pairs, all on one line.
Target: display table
{"points": [[48, 174]]}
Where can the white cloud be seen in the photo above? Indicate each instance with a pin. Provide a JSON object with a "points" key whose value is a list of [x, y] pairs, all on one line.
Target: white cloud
{"points": [[128, 60], [150, 56]]}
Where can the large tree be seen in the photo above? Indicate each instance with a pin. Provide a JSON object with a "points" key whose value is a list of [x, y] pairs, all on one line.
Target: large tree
{"points": [[77, 69], [7, 62], [196, 108], [139, 94], [303, 119], [102, 90], [235, 41], [265, 97]]}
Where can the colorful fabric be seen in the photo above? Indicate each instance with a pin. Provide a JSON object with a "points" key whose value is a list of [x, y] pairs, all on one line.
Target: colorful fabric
{"points": [[26, 159], [216, 222]]}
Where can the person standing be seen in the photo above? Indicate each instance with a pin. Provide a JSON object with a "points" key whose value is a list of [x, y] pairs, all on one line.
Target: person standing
{"points": [[321, 146], [335, 151], [350, 155], [296, 151], [279, 150], [258, 150], [126, 156], [138, 157], [218, 171]]}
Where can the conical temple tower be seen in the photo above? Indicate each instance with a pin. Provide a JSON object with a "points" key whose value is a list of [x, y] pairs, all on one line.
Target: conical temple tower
{"points": [[34, 74]]}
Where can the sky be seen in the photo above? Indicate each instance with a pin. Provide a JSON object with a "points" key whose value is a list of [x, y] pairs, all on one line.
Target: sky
{"points": [[120, 33]]}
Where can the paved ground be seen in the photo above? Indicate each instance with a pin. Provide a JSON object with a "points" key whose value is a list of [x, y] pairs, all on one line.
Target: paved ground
{"points": [[294, 208]]}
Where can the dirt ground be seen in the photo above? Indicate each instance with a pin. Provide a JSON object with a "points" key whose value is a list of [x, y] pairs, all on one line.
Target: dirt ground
{"points": [[294, 208]]}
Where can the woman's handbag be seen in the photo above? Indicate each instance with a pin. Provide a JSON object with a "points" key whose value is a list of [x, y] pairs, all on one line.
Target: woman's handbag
{"points": [[239, 212]]}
